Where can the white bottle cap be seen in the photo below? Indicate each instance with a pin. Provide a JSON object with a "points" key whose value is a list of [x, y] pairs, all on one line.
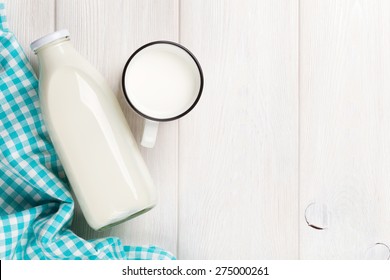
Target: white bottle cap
{"points": [[63, 33]]}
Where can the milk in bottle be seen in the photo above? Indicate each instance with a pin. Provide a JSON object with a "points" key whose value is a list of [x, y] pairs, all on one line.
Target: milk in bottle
{"points": [[90, 134]]}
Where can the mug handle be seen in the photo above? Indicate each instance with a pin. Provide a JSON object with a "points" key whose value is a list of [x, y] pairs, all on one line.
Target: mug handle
{"points": [[150, 133]]}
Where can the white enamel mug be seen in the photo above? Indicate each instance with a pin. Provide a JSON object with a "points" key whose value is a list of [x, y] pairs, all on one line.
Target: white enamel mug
{"points": [[162, 81]]}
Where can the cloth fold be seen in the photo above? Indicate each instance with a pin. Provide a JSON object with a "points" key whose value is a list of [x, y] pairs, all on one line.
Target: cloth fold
{"points": [[36, 207]]}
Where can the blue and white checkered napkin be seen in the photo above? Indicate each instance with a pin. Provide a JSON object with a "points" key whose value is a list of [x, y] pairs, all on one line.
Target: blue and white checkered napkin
{"points": [[36, 207]]}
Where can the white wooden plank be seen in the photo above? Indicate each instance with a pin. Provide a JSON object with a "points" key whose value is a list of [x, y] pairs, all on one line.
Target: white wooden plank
{"points": [[238, 149], [29, 20], [345, 127], [107, 32]]}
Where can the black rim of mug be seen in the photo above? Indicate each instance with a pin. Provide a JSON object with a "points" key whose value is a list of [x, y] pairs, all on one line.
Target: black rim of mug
{"points": [[200, 87]]}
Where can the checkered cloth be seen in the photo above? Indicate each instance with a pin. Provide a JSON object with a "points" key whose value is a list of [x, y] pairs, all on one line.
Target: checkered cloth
{"points": [[36, 207]]}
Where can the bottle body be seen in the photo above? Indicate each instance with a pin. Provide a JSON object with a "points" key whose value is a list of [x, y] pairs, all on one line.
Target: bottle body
{"points": [[90, 134]]}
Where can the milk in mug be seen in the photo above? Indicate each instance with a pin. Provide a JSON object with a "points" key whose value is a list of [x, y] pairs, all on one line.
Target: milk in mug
{"points": [[90, 134]]}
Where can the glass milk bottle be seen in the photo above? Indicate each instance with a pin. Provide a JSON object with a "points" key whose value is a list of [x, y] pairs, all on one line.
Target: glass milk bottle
{"points": [[90, 134]]}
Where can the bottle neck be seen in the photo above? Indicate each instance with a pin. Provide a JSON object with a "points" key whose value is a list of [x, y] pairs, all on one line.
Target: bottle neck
{"points": [[54, 53]]}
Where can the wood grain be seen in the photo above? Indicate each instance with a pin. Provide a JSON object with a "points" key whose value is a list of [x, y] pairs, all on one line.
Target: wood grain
{"points": [[295, 112], [29, 20], [345, 126], [107, 32], [238, 149]]}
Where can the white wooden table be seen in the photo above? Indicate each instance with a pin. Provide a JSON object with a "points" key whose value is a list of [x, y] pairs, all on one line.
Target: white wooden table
{"points": [[294, 119]]}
